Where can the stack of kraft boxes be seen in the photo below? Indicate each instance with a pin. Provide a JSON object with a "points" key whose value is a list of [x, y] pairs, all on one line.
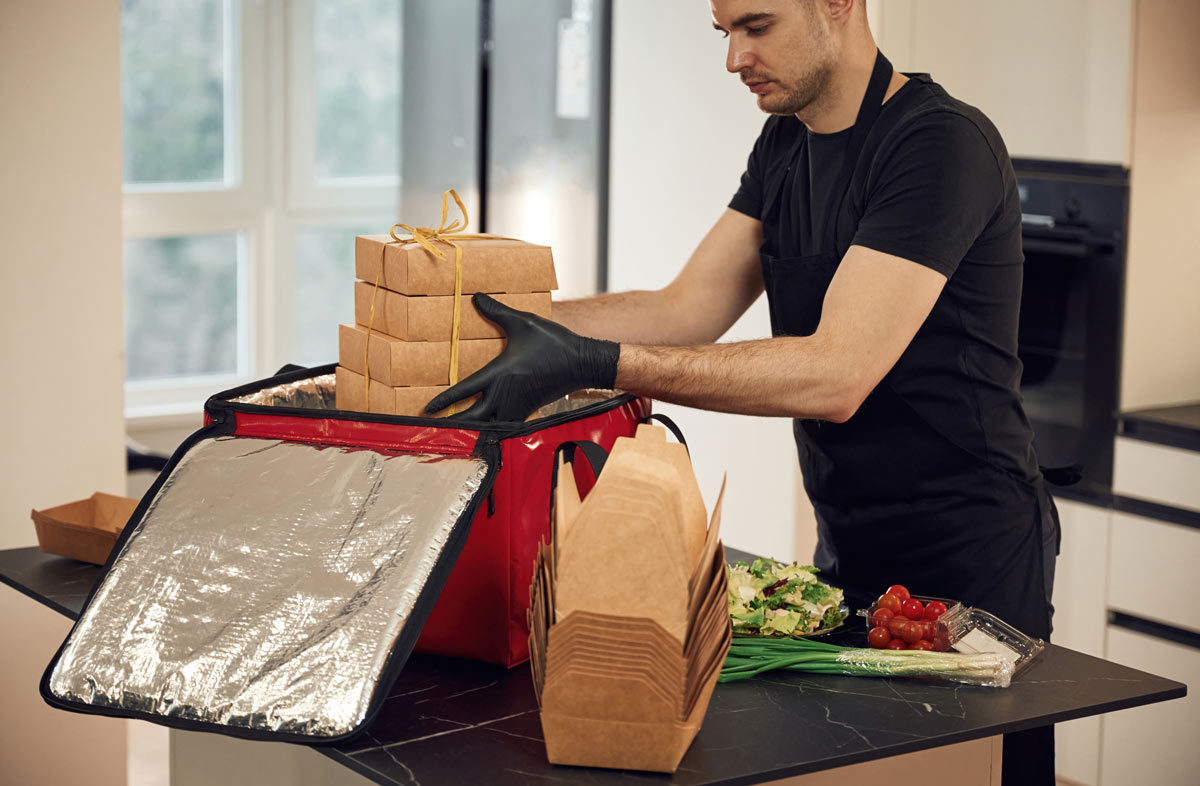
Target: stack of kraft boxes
{"points": [[404, 341]]}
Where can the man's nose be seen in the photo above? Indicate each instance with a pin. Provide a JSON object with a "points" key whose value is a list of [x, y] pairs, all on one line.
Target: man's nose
{"points": [[737, 58]]}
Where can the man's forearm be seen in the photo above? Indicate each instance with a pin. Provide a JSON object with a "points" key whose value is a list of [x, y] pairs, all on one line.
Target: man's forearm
{"points": [[784, 377], [638, 317]]}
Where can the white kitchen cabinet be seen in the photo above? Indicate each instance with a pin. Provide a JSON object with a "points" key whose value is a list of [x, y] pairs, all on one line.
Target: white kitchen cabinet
{"points": [[1158, 473], [1054, 77], [1152, 570], [1154, 744], [1080, 618]]}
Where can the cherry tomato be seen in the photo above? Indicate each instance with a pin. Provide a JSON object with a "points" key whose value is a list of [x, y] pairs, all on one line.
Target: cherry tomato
{"points": [[913, 633], [934, 609], [879, 637], [881, 617], [922, 645], [889, 602], [913, 609], [929, 630], [897, 644], [900, 591]]}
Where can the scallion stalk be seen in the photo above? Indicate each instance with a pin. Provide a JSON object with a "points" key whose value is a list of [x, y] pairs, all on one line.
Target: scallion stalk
{"points": [[749, 656]]}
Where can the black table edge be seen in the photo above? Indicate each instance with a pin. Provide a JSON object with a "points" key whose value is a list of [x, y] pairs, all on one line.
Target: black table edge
{"points": [[40, 598]]}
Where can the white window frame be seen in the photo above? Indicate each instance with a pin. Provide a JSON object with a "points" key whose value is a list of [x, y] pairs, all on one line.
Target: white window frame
{"points": [[269, 193], [305, 191]]}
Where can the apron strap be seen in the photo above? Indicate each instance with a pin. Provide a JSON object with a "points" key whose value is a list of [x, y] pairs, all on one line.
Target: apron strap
{"points": [[868, 111]]}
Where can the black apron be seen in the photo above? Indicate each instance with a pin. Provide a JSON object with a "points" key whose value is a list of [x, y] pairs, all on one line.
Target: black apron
{"points": [[896, 499]]}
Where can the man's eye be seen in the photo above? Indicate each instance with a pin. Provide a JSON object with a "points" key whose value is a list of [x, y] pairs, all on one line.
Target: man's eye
{"points": [[757, 31]]}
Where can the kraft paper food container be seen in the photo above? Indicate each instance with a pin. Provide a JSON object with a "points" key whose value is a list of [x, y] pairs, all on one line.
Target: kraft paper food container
{"points": [[85, 530], [412, 363], [490, 264], [431, 317], [388, 400], [622, 684]]}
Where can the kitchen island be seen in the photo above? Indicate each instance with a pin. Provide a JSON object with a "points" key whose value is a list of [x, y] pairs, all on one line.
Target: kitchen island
{"points": [[453, 721]]}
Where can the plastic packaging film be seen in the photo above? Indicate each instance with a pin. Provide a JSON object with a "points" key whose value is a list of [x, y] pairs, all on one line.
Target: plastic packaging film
{"points": [[266, 605], [986, 669]]}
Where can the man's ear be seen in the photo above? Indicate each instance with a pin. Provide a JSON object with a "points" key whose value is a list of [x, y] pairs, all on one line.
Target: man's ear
{"points": [[840, 11]]}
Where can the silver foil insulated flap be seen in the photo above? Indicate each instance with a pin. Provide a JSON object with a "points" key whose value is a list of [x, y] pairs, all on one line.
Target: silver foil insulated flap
{"points": [[267, 585]]}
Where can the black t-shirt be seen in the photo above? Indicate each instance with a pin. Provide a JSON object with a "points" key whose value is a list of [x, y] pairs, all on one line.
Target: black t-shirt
{"points": [[933, 185]]}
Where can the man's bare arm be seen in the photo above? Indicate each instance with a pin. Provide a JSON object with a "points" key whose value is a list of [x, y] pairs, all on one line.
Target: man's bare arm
{"points": [[716, 286], [874, 307]]}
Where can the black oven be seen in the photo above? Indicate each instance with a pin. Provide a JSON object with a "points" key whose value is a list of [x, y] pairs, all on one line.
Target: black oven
{"points": [[1074, 219]]}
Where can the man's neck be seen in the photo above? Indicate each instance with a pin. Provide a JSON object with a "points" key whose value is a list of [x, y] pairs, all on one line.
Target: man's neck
{"points": [[838, 108]]}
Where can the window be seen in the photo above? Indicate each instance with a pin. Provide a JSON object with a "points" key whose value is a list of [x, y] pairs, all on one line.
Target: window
{"points": [[259, 138]]}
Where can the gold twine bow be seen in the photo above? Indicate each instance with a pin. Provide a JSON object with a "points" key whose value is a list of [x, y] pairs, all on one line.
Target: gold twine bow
{"points": [[425, 236]]}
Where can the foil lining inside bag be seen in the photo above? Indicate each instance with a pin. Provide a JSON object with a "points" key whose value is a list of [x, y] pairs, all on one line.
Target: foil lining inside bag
{"points": [[318, 393], [267, 585]]}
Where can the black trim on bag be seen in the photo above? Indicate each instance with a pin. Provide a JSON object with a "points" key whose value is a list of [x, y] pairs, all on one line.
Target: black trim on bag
{"points": [[488, 451], [220, 404]]}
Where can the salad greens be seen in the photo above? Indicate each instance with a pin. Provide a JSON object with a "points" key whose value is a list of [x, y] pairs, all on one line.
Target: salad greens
{"points": [[769, 598]]}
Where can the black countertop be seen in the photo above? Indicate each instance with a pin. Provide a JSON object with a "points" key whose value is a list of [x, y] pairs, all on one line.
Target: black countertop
{"points": [[452, 721], [1177, 426]]}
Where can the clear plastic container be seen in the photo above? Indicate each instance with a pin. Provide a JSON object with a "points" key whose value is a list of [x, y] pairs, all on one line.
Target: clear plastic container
{"points": [[970, 630]]}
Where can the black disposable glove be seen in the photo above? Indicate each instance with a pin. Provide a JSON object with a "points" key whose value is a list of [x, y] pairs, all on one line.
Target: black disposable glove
{"points": [[543, 361]]}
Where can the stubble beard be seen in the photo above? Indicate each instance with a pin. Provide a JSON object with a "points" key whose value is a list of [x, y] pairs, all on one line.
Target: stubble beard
{"points": [[795, 98]]}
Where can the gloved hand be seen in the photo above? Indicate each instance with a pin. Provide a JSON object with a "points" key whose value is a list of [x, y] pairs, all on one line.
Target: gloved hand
{"points": [[542, 362]]}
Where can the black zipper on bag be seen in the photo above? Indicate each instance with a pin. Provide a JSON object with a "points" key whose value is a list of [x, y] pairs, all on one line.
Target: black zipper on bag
{"points": [[221, 404]]}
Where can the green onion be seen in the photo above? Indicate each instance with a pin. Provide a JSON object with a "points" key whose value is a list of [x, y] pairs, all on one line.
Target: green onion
{"points": [[749, 656]]}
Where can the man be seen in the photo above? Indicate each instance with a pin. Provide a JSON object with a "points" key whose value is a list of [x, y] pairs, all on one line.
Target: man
{"points": [[881, 218]]}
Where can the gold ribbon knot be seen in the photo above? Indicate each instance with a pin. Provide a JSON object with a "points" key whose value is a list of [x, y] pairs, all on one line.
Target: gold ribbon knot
{"points": [[426, 237]]}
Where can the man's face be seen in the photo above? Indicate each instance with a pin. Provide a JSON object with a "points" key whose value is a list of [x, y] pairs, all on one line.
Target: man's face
{"points": [[782, 50]]}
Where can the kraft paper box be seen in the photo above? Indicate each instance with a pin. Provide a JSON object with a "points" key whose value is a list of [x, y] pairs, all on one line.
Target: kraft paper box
{"points": [[489, 265], [620, 683], [85, 530], [387, 400], [431, 317], [412, 363]]}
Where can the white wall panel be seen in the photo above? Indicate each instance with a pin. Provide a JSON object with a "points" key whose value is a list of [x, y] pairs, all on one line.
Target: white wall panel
{"points": [[682, 128], [62, 346]]}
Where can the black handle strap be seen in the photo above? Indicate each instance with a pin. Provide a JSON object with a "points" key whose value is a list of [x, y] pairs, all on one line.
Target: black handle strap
{"points": [[671, 426], [593, 452]]}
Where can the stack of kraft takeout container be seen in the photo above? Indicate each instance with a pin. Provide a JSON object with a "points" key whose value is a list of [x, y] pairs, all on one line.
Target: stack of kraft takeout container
{"points": [[404, 316], [629, 620]]}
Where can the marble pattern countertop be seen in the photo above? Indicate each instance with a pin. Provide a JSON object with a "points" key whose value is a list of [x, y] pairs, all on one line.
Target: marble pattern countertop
{"points": [[457, 721]]}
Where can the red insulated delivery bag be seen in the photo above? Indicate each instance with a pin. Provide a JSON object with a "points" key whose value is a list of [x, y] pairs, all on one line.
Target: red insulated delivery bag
{"points": [[481, 611]]}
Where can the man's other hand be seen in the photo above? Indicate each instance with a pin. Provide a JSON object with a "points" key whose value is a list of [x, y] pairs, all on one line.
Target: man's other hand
{"points": [[542, 362]]}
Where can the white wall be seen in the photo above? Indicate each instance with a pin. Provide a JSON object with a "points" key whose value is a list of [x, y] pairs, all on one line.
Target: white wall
{"points": [[60, 258], [682, 128], [61, 352]]}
